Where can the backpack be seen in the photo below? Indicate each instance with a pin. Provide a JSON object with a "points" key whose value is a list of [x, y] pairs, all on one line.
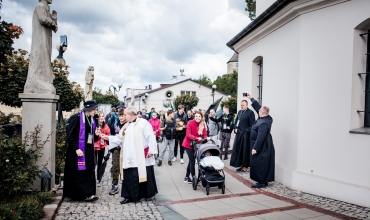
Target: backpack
{"points": [[170, 131]]}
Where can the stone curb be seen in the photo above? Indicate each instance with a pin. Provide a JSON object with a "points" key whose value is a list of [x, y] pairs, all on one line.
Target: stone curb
{"points": [[51, 209]]}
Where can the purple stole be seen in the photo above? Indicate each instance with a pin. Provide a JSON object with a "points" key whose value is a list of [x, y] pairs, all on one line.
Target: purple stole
{"points": [[81, 140]]}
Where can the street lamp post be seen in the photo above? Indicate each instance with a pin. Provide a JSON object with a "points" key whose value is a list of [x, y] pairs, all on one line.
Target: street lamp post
{"points": [[114, 88], [213, 92]]}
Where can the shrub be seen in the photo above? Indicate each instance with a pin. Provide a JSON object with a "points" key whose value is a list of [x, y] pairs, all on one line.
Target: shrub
{"points": [[28, 206], [18, 162], [60, 147], [186, 100]]}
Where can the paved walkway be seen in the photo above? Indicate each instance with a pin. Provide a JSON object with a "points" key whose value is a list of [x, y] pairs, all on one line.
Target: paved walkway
{"points": [[177, 200]]}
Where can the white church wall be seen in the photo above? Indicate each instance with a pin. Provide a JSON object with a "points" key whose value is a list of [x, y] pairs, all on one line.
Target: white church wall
{"points": [[309, 85], [280, 90], [327, 151]]}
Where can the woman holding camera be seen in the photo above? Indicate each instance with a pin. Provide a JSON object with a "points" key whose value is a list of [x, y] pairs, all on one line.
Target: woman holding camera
{"points": [[195, 131]]}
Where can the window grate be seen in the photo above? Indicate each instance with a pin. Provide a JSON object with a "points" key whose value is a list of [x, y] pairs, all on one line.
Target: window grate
{"points": [[260, 82], [367, 82]]}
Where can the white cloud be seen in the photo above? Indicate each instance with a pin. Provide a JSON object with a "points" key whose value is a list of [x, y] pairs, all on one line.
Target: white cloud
{"points": [[138, 42]]}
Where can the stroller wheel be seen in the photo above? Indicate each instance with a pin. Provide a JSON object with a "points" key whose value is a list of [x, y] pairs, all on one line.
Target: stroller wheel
{"points": [[195, 183], [207, 189], [223, 190]]}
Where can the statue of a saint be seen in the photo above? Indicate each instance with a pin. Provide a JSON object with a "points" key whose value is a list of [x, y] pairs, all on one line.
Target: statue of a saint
{"points": [[89, 79], [40, 76]]}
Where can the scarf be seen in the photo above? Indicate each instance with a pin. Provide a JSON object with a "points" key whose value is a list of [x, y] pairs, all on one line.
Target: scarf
{"points": [[81, 165]]}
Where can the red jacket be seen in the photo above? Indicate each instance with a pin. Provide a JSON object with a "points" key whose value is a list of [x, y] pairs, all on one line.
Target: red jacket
{"points": [[105, 130], [192, 134], [156, 125]]}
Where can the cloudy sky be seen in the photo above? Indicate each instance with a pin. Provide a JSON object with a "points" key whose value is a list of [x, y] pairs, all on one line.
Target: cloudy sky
{"points": [[138, 42]]}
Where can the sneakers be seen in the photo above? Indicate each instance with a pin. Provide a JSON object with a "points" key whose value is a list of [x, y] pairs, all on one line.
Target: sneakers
{"points": [[188, 180], [159, 163], [181, 161], [174, 159], [169, 163], [225, 157], [114, 190]]}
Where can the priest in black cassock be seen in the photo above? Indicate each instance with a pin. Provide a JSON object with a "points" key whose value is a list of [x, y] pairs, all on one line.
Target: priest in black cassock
{"points": [[79, 171], [263, 152], [240, 156]]}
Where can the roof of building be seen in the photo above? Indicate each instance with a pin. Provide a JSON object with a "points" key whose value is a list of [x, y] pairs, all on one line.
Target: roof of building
{"points": [[170, 85], [272, 10], [234, 58]]}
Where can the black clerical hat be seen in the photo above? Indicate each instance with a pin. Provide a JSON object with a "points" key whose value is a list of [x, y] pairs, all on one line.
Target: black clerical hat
{"points": [[90, 105]]}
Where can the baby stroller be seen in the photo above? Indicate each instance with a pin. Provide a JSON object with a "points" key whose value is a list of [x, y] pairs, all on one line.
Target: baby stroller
{"points": [[208, 175]]}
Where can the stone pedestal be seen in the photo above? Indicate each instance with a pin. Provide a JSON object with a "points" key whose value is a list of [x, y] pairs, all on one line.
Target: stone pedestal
{"points": [[39, 109]]}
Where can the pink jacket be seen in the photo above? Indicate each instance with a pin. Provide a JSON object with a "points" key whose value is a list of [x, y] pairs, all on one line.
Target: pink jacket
{"points": [[192, 134], [156, 124]]}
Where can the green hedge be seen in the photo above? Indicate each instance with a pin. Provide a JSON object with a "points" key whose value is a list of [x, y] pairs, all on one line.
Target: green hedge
{"points": [[18, 170], [28, 206]]}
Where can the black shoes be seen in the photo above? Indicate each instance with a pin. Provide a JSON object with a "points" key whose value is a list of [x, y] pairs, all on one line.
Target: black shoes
{"points": [[258, 185], [159, 163], [169, 163], [225, 158], [125, 201]]}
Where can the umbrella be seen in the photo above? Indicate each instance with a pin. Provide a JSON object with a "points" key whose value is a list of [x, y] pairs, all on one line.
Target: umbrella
{"points": [[103, 166], [214, 105]]}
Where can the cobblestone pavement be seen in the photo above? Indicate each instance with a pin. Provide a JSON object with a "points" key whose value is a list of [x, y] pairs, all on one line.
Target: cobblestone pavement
{"points": [[108, 206], [340, 207]]}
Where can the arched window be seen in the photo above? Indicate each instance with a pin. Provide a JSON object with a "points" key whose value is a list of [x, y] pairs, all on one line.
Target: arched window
{"points": [[257, 77]]}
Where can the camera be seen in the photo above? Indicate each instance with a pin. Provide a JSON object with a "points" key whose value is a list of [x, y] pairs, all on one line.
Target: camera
{"points": [[245, 94]]}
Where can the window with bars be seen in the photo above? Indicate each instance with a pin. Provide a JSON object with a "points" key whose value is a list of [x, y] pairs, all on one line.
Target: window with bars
{"points": [[367, 81], [260, 81]]}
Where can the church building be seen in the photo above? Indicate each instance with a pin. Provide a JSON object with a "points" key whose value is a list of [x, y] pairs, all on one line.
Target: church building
{"points": [[309, 61]]}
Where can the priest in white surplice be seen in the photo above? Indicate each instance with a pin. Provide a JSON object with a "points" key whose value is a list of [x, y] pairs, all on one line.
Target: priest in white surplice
{"points": [[138, 145]]}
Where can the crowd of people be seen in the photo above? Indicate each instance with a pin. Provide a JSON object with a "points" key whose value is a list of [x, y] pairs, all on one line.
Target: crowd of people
{"points": [[132, 138]]}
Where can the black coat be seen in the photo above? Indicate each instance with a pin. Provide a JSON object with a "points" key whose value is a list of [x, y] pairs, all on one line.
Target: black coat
{"points": [[79, 184], [242, 148], [225, 119], [263, 162]]}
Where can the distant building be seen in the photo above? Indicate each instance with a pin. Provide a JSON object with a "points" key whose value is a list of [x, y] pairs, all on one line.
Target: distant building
{"points": [[309, 61], [158, 97], [232, 64]]}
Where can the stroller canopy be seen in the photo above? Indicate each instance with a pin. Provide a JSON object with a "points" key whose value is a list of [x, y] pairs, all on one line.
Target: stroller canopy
{"points": [[212, 148]]}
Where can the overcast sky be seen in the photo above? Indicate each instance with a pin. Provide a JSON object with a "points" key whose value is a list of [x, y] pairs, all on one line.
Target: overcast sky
{"points": [[138, 42]]}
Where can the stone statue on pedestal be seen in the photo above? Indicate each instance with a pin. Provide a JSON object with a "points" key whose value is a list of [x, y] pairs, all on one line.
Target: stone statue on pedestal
{"points": [[40, 76], [89, 80]]}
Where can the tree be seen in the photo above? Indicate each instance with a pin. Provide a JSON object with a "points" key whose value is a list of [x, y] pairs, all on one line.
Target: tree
{"points": [[13, 75], [186, 100], [204, 80], [8, 32], [232, 103], [228, 84], [108, 98], [251, 8]]}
